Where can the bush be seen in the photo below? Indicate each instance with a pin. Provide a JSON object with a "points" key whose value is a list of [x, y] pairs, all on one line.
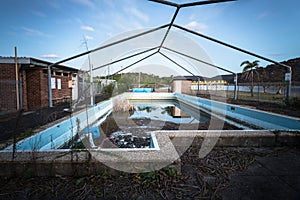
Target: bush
{"points": [[295, 102], [109, 89]]}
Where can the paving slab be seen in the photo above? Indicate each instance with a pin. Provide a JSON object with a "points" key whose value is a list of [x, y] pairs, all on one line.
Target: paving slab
{"points": [[282, 164], [269, 177]]}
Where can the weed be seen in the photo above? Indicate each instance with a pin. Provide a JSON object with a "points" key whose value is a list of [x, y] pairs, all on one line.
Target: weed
{"points": [[80, 180], [104, 174]]}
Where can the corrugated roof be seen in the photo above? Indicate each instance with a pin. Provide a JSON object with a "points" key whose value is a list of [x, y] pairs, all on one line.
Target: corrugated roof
{"points": [[36, 62]]}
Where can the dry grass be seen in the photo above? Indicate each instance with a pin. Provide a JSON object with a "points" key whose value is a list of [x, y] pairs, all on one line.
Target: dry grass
{"points": [[122, 105]]}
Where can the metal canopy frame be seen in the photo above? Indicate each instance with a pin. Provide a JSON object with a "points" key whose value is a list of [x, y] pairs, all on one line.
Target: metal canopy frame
{"points": [[197, 3], [161, 46]]}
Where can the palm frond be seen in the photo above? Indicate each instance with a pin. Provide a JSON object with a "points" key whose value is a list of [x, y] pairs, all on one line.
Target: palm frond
{"points": [[255, 62], [249, 65], [244, 63]]}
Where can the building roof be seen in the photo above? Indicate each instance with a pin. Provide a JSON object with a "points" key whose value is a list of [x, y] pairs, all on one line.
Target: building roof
{"points": [[229, 78], [189, 78], [33, 62]]}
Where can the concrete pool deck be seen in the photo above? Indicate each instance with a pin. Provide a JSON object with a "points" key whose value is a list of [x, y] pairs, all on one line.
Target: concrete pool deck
{"points": [[171, 145]]}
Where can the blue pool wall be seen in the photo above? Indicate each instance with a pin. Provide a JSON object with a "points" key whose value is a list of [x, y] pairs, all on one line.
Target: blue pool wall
{"points": [[258, 118], [262, 119], [56, 135]]}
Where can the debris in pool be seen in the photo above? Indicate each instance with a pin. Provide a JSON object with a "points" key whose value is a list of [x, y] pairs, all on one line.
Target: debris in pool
{"points": [[126, 140]]}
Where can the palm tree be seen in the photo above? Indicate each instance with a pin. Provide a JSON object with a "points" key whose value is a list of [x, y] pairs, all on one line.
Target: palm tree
{"points": [[248, 72]]}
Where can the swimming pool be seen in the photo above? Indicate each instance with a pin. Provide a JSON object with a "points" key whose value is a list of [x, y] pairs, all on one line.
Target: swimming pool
{"points": [[82, 122]]}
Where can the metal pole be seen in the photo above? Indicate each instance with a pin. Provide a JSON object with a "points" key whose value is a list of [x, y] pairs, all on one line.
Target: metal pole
{"points": [[189, 4], [17, 79], [91, 85], [166, 3], [21, 91], [235, 86], [198, 92], [288, 80], [111, 44], [230, 46], [125, 58], [169, 28], [91, 73], [203, 3], [244, 51], [209, 64], [49, 87], [177, 64], [134, 63], [201, 61], [290, 88]]}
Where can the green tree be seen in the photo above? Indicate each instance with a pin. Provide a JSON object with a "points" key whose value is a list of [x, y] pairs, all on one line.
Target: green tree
{"points": [[248, 71], [108, 89]]}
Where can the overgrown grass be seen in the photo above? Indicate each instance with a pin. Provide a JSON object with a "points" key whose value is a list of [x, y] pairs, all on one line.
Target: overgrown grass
{"points": [[261, 97], [265, 101]]}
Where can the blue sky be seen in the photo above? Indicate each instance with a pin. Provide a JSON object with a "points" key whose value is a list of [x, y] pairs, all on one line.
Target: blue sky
{"points": [[54, 29]]}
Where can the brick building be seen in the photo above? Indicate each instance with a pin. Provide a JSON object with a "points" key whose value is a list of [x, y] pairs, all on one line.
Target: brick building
{"points": [[33, 84]]}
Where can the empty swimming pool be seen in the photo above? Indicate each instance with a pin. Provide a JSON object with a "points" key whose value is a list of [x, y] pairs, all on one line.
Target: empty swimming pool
{"points": [[84, 122]]}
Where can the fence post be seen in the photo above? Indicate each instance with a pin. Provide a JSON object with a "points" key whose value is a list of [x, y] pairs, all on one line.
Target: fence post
{"points": [[235, 86], [288, 79], [227, 90], [258, 90]]}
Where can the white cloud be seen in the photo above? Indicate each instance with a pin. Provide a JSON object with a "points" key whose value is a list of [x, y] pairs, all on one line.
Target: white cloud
{"points": [[49, 56], [87, 28], [34, 32], [88, 37], [87, 3], [137, 13], [196, 26]]}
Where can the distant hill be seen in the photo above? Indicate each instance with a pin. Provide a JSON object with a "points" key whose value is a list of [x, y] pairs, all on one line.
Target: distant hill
{"points": [[276, 73]]}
